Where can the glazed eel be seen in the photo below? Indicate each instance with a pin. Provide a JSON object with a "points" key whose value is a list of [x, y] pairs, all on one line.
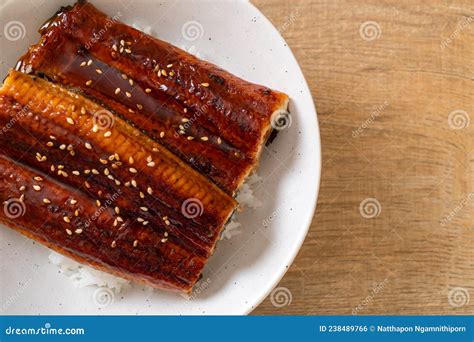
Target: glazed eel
{"points": [[91, 186], [215, 121]]}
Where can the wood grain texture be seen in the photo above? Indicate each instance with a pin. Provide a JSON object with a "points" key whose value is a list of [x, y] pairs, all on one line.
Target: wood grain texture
{"points": [[394, 115]]}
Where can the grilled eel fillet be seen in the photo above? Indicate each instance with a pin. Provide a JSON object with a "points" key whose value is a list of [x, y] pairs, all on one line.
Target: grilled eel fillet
{"points": [[96, 189], [213, 120]]}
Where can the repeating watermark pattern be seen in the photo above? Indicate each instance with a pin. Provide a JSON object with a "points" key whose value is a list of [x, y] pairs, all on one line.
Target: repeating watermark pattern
{"points": [[14, 208], [457, 209], [378, 111], [458, 297], [103, 119], [99, 34], [281, 297], [289, 21], [14, 30], [107, 204], [266, 222], [103, 297], [370, 30], [23, 112], [192, 30], [370, 208], [370, 298], [281, 119], [459, 119], [192, 208], [15, 296], [462, 25], [200, 287]]}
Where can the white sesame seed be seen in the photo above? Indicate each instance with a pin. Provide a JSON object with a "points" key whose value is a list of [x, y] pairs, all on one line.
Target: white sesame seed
{"points": [[130, 81], [38, 179], [89, 82], [50, 144], [88, 146], [69, 232], [83, 64], [190, 138], [124, 76], [169, 66], [164, 240], [142, 195], [128, 94], [149, 190], [97, 202], [134, 183], [140, 219], [204, 138], [205, 84], [139, 106], [76, 173], [184, 120], [219, 140], [22, 188], [117, 210], [135, 243], [89, 62], [107, 134], [66, 219], [133, 170], [70, 121], [47, 201], [120, 219], [131, 160], [144, 208], [62, 147], [78, 231], [117, 91], [98, 71], [151, 164], [162, 134], [147, 90], [22, 197], [164, 72], [113, 244], [73, 201], [167, 222], [36, 187], [83, 110], [145, 223]]}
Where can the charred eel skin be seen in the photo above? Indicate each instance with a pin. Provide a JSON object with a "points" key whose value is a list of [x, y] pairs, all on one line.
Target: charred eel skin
{"points": [[215, 121], [100, 191]]}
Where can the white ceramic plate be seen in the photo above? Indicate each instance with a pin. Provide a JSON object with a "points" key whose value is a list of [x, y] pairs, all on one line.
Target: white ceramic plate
{"points": [[245, 268]]}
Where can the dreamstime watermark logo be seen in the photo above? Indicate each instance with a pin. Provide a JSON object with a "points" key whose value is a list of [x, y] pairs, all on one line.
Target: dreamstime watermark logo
{"points": [[192, 30], [14, 30], [280, 297], [458, 297], [14, 208], [370, 30], [103, 296], [370, 208], [465, 22], [192, 208], [458, 119], [281, 119], [103, 119], [379, 110], [457, 209], [370, 298]]}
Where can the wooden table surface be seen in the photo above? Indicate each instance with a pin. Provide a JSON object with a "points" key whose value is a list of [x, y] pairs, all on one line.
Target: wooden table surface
{"points": [[394, 226]]}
